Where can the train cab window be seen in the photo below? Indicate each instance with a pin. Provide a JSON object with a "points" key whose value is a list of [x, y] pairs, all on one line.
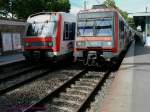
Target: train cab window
{"points": [[85, 28], [69, 31], [66, 31], [42, 29], [103, 27]]}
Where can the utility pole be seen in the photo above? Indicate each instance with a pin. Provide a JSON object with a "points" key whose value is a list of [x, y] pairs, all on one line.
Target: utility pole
{"points": [[85, 4], [146, 8]]}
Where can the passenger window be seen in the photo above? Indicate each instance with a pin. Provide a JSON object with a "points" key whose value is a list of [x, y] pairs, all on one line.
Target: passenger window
{"points": [[69, 31], [66, 31], [121, 25], [72, 31]]}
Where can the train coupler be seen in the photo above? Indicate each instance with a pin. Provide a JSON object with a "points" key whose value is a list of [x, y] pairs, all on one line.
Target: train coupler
{"points": [[90, 60]]}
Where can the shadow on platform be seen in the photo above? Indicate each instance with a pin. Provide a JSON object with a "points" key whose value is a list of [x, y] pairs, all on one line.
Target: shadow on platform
{"points": [[140, 49]]}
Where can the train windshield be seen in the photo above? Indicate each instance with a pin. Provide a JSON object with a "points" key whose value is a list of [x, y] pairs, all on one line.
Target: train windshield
{"points": [[95, 27], [85, 28], [42, 28], [103, 27]]}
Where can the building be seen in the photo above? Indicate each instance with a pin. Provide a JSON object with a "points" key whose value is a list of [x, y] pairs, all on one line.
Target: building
{"points": [[11, 34], [142, 22]]}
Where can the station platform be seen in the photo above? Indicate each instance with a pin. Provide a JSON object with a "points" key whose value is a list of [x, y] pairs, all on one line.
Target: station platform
{"points": [[11, 58], [130, 90]]}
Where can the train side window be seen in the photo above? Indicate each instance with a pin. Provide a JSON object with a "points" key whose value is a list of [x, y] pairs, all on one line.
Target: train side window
{"points": [[121, 28], [0, 42], [69, 31], [121, 25], [66, 31], [72, 31]]}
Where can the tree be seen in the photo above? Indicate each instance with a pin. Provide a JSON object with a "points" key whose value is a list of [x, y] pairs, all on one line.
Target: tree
{"points": [[23, 8], [59, 5], [5, 7], [131, 22], [111, 4]]}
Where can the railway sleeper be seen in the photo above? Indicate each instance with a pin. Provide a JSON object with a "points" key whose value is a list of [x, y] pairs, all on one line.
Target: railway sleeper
{"points": [[75, 90], [89, 80], [71, 98], [55, 108], [73, 102], [80, 97], [68, 105], [85, 88], [85, 83]]}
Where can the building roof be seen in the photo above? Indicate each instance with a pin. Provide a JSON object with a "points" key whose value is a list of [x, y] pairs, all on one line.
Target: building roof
{"points": [[141, 14]]}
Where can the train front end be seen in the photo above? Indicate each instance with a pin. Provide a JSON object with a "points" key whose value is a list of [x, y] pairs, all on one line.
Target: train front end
{"points": [[42, 35], [95, 42]]}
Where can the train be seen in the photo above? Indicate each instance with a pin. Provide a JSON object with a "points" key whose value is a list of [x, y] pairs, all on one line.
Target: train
{"points": [[102, 37], [95, 37], [50, 35]]}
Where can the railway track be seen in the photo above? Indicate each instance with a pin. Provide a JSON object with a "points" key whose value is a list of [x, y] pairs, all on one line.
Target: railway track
{"points": [[72, 96], [25, 95], [18, 78], [20, 71], [66, 90], [11, 66], [13, 69]]}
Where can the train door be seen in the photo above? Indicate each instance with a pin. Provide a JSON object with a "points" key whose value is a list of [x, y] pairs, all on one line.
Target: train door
{"points": [[68, 37], [121, 34]]}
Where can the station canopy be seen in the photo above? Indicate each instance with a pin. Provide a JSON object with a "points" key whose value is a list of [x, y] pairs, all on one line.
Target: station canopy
{"points": [[140, 19]]}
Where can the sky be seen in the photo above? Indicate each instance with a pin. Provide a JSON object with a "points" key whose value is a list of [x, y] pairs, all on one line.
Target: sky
{"points": [[131, 6]]}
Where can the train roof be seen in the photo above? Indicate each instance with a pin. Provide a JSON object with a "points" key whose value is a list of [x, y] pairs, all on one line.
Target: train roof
{"points": [[103, 10], [42, 13], [98, 10]]}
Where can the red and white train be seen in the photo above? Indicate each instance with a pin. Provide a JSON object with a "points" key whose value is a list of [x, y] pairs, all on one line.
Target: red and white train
{"points": [[102, 35], [50, 35]]}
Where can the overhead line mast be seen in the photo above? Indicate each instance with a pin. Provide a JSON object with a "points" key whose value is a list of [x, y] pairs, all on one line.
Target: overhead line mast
{"points": [[85, 2]]}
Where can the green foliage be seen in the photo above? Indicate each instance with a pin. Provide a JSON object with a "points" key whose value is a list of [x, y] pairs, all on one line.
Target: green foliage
{"points": [[59, 5], [110, 4], [5, 7], [131, 22], [23, 8]]}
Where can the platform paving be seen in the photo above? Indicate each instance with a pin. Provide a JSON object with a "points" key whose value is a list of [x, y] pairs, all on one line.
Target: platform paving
{"points": [[130, 90], [141, 80], [11, 58]]}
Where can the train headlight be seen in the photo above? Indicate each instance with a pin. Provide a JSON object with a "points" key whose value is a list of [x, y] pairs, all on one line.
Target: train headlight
{"points": [[80, 44], [27, 44], [49, 44], [109, 43]]}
